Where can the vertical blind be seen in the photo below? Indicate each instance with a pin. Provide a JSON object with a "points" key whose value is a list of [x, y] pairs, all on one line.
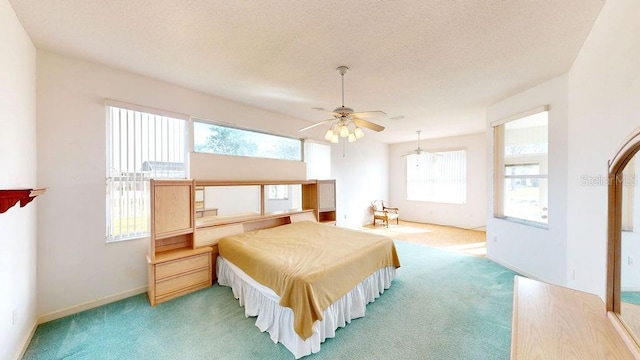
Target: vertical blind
{"points": [[438, 177], [140, 146], [318, 159]]}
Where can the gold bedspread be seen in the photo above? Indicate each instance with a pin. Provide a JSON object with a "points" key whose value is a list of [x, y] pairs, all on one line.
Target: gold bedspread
{"points": [[309, 265]]}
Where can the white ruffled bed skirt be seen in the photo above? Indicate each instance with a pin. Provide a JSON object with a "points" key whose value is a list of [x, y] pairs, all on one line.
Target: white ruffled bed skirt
{"points": [[262, 302]]}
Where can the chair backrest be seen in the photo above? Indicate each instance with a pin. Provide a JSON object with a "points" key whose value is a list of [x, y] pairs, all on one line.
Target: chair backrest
{"points": [[377, 205]]}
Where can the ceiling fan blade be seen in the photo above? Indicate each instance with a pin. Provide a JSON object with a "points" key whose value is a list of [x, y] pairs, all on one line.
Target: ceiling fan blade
{"points": [[327, 111], [316, 124], [373, 113], [368, 124]]}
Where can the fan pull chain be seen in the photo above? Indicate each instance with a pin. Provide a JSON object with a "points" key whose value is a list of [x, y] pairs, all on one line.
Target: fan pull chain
{"points": [[344, 147]]}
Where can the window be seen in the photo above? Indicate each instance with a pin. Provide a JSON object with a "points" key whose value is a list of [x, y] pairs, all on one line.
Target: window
{"points": [[438, 177], [225, 140], [521, 167], [140, 145]]}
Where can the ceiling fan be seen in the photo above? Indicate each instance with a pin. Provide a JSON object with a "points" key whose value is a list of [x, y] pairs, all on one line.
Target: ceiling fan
{"points": [[347, 123], [418, 150]]}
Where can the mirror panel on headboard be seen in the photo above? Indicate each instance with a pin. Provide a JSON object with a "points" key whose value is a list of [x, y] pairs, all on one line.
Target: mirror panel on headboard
{"points": [[281, 198], [228, 201]]}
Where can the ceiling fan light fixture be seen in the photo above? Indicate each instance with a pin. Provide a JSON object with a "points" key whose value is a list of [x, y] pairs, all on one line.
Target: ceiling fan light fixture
{"points": [[329, 135], [346, 122], [344, 131]]}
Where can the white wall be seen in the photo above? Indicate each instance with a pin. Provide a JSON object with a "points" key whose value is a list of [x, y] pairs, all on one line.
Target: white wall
{"points": [[361, 176], [470, 215], [17, 170], [75, 265], [604, 93], [533, 251]]}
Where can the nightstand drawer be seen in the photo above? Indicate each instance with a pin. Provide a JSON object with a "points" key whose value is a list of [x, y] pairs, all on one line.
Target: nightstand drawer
{"points": [[179, 266], [178, 283]]}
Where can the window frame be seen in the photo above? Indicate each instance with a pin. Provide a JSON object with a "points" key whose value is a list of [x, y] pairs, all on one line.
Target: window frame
{"points": [[142, 179], [501, 161], [195, 120]]}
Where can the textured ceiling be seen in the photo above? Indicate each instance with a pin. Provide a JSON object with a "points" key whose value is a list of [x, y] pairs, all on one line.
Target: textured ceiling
{"points": [[438, 64]]}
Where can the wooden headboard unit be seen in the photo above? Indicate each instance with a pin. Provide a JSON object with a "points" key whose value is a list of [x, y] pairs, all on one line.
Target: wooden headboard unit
{"points": [[210, 229], [208, 233]]}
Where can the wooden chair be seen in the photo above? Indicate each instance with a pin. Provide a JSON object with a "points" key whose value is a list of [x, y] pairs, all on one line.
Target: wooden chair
{"points": [[381, 212]]}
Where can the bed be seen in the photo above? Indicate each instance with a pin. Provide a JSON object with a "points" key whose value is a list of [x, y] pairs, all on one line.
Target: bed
{"points": [[304, 280]]}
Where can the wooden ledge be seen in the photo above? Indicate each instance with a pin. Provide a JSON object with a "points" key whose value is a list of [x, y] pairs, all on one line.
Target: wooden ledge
{"points": [[8, 198], [208, 221]]}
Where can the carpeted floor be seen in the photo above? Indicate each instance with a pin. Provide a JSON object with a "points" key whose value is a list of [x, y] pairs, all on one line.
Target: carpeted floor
{"points": [[442, 305], [632, 297]]}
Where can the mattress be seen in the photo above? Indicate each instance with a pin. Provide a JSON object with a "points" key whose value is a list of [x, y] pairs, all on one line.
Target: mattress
{"points": [[308, 265], [263, 303], [304, 280]]}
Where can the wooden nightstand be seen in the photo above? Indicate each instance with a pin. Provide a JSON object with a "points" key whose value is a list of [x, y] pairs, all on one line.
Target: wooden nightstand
{"points": [[176, 266]]}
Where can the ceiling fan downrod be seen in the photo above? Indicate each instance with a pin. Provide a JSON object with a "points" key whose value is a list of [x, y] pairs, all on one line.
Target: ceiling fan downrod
{"points": [[342, 70]]}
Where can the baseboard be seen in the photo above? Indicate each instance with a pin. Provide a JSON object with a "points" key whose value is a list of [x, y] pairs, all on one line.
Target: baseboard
{"points": [[27, 340], [516, 269], [89, 305]]}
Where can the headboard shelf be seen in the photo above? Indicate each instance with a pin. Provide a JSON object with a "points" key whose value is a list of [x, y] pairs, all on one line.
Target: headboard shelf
{"points": [[226, 220]]}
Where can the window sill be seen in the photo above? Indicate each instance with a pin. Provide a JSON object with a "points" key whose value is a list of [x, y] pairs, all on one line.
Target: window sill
{"points": [[535, 224], [123, 239]]}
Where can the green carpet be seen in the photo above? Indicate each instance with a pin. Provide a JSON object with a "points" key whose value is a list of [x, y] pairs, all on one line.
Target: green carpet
{"points": [[442, 305], [632, 297]]}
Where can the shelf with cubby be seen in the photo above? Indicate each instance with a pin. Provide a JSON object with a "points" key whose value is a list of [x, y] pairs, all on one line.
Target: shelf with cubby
{"points": [[320, 195]]}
